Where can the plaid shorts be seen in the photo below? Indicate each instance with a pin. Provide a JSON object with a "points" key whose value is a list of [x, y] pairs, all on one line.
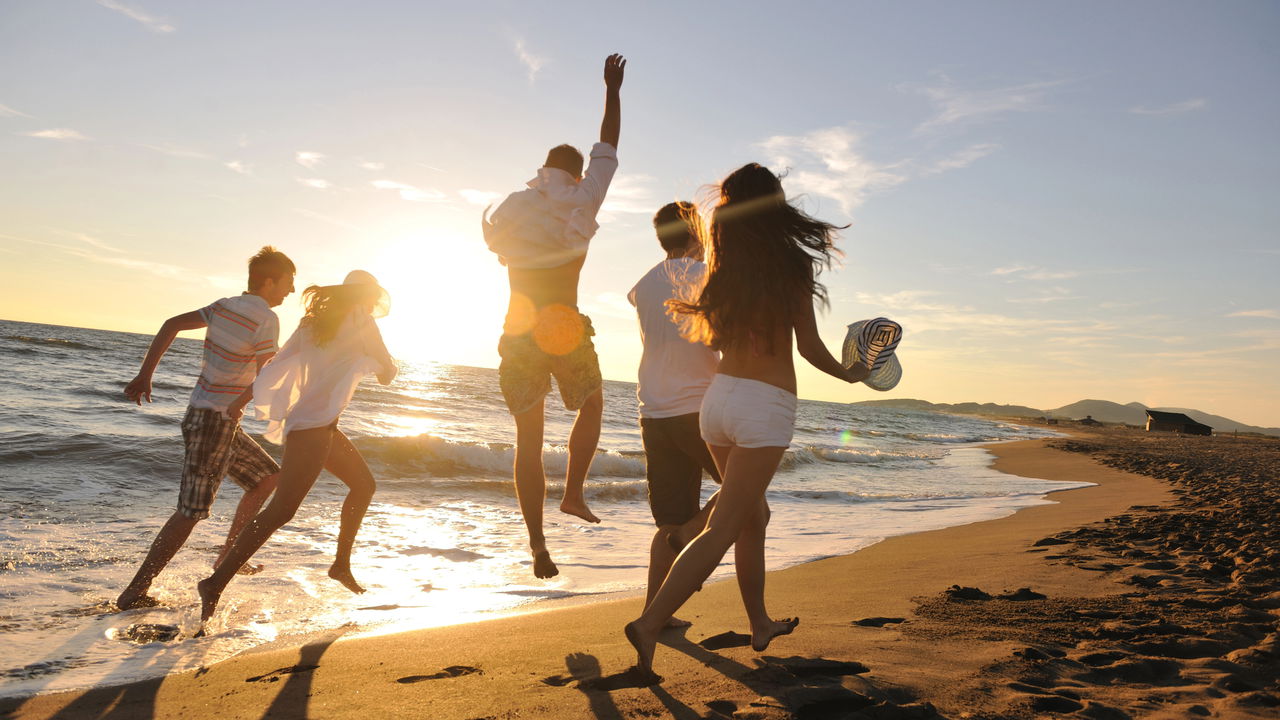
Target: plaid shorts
{"points": [[559, 346], [217, 447]]}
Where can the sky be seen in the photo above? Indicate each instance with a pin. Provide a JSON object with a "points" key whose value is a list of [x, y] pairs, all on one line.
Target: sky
{"points": [[1057, 201]]}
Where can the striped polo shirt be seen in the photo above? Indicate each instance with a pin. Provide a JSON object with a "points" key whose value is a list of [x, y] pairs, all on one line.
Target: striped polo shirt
{"points": [[240, 329]]}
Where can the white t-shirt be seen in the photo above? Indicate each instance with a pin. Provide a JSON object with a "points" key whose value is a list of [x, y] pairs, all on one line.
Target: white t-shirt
{"points": [[552, 222], [674, 373], [308, 386]]}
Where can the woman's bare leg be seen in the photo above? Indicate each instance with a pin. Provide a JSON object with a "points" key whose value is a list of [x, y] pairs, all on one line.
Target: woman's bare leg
{"points": [[304, 456], [346, 462], [748, 472]]}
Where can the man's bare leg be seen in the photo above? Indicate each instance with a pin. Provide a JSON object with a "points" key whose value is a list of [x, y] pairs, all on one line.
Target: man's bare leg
{"points": [[348, 465], [583, 440], [248, 507], [168, 541], [748, 558], [660, 558], [531, 486]]}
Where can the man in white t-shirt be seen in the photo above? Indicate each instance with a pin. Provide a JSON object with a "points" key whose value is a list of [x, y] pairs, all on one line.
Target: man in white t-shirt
{"points": [[674, 374], [241, 336]]}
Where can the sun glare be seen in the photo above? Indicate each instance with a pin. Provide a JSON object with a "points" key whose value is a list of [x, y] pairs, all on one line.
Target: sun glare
{"points": [[448, 298]]}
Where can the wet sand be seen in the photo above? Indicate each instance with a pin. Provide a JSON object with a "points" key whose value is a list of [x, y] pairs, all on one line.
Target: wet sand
{"points": [[1140, 597]]}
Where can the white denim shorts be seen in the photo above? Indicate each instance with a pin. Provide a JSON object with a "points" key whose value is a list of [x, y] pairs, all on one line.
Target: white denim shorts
{"points": [[747, 413]]}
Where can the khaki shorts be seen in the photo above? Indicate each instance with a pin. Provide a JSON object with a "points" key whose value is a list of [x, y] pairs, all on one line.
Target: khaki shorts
{"points": [[217, 448], [559, 346]]}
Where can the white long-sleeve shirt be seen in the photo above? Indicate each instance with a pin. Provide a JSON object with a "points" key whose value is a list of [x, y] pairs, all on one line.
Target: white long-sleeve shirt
{"points": [[552, 222]]}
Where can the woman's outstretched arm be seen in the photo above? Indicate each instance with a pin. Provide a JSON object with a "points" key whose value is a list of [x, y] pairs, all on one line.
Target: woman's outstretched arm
{"points": [[813, 350]]}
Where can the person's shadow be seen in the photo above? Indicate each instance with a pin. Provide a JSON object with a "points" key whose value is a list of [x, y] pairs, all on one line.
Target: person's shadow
{"points": [[295, 695], [586, 670]]}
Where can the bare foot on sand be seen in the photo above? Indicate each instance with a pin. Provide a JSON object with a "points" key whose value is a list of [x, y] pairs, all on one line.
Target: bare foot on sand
{"points": [[643, 643], [760, 639], [130, 600], [543, 568], [675, 622], [578, 508], [209, 598], [343, 575]]}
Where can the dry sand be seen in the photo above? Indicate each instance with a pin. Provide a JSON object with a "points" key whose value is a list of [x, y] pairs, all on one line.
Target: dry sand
{"points": [[1165, 610]]}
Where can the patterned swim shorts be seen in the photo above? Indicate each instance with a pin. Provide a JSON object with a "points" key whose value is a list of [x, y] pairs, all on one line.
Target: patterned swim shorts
{"points": [[217, 447], [558, 345]]}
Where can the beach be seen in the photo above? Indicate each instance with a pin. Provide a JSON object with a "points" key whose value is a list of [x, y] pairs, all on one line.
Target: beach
{"points": [[1159, 600]]}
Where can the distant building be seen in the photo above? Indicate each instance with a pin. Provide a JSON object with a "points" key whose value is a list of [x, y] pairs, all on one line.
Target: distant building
{"points": [[1088, 420], [1175, 422]]}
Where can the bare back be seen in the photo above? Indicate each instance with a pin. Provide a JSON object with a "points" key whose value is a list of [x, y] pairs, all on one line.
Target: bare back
{"points": [[546, 286], [752, 360]]}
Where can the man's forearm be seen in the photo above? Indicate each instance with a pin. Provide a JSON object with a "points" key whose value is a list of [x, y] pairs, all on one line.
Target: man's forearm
{"points": [[611, 126], [159, 346]]}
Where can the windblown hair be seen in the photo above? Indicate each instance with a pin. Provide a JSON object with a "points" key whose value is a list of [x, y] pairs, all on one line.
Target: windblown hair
{"points": [[763, 259], [328, 305], [677, 225], [567, 158], [268, 263]]}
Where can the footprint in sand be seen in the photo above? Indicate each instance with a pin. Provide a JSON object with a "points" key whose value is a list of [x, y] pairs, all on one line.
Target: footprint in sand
{"points": [[275, 675], [450, 672], [879, 621]]}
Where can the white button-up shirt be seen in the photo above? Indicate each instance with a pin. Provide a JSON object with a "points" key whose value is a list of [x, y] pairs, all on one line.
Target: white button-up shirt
{"points": [[552, 222]]}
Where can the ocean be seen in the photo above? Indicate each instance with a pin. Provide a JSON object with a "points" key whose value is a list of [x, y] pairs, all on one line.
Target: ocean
{"points": [[86, 480]]}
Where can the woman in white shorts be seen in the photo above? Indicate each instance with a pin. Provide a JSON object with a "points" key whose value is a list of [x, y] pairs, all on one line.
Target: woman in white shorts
{"points": [[764, 256]]}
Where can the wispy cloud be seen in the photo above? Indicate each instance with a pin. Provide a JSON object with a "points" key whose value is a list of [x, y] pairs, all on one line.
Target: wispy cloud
{"points": [[373, 165], [532, 63], [308, 159], [237, 166], [316, 183], [483, 198], [328, 220], [961, 159], [630, 194], [155, 268], [90, 240], [152, 23], [179, 152], [956, 105], [1177, 108], [6, 111], [1270, 314], [410, 192], [56, 134], [1033, 272], [829, 162], [610, 304]]}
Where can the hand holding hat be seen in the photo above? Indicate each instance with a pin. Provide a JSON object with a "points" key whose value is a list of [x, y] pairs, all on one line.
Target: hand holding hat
{"points": [[871, 343]]}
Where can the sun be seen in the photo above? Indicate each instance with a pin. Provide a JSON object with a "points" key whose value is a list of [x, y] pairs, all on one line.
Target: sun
{"points": [[448, 297]]}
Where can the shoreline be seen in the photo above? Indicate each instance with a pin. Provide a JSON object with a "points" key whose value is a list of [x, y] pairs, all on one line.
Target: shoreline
{"points": [[480, 673]]}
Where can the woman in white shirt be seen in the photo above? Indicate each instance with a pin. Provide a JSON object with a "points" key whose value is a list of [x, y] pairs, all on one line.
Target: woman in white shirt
{"points": [[301, 393]]}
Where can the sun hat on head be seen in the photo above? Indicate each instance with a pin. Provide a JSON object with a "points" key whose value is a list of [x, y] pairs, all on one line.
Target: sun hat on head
{"points": [[871, 343], [382, 305]]}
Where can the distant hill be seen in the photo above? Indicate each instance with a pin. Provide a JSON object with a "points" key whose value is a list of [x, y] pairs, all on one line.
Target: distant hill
{"points": [[968, 408], [1136, 414], [1102, 410]]}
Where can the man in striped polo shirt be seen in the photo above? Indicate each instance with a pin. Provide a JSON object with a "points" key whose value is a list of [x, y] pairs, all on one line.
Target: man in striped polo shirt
{"points": [[242, 335]]}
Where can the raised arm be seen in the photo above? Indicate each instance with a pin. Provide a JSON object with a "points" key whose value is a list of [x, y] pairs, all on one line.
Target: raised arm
{"points": [[611, 126], [813, 350], [140, 386]]}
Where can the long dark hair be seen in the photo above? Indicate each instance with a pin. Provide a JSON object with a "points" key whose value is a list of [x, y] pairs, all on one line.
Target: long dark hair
{"points": [[763, 259], [328, 305]]}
